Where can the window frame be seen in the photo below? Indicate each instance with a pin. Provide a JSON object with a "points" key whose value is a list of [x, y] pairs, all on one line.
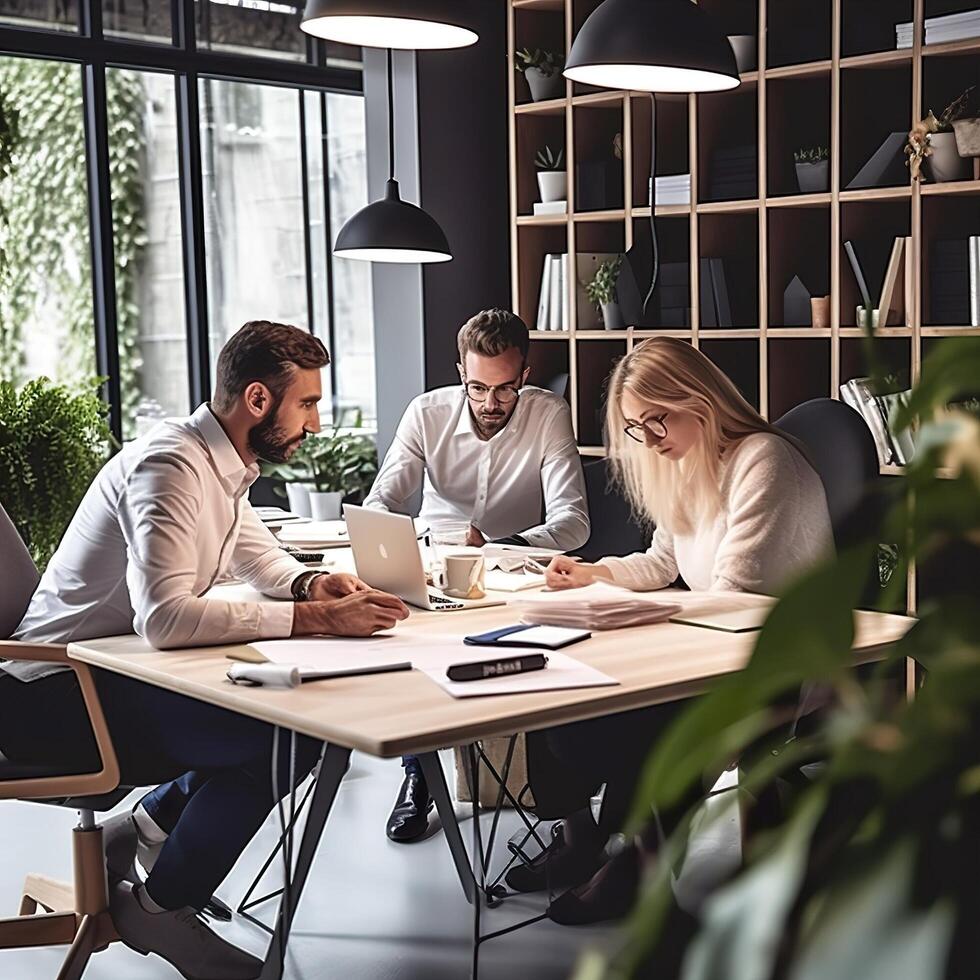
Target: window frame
{"points": [[94, 51]]}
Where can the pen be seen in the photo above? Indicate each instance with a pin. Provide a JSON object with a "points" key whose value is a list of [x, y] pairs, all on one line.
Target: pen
{"points": [[284, 675]]}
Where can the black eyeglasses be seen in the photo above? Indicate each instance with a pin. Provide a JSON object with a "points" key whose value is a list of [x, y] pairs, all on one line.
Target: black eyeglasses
{"points": [[505, 394], [651, 431]]}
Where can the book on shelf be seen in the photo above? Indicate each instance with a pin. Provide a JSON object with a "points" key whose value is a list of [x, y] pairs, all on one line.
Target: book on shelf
{"points": [[554, 310], [879, 411], [716, 304], [672, 189], [734, 173], [550, 207], [888, 300], [950, 281], [552, 302], [950, 27], [893, 301], [674, 295], [544, 296]]}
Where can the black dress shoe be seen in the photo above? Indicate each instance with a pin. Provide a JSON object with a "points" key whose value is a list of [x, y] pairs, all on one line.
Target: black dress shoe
{"points": [[409, 819], [559, 865]]}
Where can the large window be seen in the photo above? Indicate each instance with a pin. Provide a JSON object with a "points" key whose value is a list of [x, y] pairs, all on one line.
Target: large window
{"points": [[173, 179]]}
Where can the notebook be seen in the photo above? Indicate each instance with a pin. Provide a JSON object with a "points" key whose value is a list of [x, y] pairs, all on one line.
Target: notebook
{"points": [[548, 637], [733, 621]]}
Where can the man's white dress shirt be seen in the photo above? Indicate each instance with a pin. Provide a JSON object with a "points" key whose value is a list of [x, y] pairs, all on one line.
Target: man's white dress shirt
{"points": [[527, 479], [164, 519]]}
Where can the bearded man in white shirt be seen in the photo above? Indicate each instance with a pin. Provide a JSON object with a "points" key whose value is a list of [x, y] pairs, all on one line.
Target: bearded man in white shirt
{"points": [[492, 453], [165, 518]]}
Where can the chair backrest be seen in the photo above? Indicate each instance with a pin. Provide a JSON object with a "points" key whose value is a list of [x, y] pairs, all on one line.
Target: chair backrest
{"points": [[558, 384], [21, 577], [842, 451], [615, 531]]}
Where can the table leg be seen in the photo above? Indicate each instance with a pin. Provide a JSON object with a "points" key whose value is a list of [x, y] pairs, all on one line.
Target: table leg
{"points": [[332, 770]]}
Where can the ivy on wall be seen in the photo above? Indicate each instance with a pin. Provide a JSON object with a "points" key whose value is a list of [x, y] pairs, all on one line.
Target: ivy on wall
{"points": [[45, 263]]}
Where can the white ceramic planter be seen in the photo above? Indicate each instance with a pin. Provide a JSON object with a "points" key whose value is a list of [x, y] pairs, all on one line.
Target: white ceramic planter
{"points": [[298, 495], [945, 162], [553, 185], [544, 86], [325, 506], [813, 178]]}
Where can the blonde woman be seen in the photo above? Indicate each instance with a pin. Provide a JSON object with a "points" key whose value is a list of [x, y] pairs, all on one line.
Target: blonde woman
{"points": [[736, 506]]}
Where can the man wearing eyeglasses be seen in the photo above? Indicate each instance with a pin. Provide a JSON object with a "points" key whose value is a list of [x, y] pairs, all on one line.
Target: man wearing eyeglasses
{"points": [[493, 453]]}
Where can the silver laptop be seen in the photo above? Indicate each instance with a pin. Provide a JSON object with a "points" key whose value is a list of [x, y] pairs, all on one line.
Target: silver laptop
{"points": [[387, 557]]}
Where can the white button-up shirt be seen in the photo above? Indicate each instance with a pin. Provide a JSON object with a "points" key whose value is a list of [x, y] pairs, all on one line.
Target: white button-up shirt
{"points": [[165, 518], [527, 479]]}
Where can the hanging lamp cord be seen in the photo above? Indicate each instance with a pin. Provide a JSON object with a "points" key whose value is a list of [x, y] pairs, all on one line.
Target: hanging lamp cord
{"points": [[654, 274], [391, 122]]}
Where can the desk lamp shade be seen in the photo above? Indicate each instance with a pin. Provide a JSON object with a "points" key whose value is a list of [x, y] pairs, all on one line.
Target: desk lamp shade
{"points": [[407, 24], [652, 46]]}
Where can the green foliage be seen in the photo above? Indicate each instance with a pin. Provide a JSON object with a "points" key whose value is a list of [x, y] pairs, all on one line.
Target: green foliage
{"points": [[547, 159], [52, 443], [601, 288], [815, 154], [45, 265], [873, 870], [547, 62]]}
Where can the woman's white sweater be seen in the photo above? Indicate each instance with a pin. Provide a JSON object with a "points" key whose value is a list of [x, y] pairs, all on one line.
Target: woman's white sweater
{"points": [[773, 524]]}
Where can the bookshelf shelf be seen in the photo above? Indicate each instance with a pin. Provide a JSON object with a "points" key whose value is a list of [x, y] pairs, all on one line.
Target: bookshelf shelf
{"points": [[827, 74]]}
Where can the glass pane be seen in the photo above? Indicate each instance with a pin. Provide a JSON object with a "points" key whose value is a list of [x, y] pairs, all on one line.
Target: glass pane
{"points": [[253, 204], [147, 247], [262, 27], [353, 307], [46, 317], [146, 20], [60, 15]]}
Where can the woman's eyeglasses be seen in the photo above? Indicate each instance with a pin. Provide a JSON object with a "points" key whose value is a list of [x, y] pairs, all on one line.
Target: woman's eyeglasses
{"points": [[651, 431]]}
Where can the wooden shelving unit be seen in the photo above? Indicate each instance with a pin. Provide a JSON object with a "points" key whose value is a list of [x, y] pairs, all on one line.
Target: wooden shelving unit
{"points": [[828, 74]]}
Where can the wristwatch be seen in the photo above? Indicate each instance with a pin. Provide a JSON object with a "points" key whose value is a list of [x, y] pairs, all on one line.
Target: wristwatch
{"points": [[302, 585]]}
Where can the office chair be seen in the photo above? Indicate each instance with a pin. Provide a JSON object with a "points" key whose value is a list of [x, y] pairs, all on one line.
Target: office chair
{"points": [[615, 530], [77, 914]]}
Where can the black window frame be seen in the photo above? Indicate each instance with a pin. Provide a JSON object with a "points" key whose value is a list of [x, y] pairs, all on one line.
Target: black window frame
{"points": [[96, 52]]}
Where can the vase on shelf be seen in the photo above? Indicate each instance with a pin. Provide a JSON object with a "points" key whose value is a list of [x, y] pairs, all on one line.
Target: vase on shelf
{"points": [[744, 48], [612, 316], [813, 178], [945, 162]]}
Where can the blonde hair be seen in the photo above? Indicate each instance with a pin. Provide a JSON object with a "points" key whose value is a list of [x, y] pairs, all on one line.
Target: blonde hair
{"points": [[671, 373]]}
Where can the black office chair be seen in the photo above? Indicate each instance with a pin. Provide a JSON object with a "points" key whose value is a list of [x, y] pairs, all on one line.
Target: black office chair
{"points": [[615, 530]]}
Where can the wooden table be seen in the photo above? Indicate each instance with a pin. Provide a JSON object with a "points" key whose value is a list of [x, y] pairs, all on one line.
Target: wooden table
{"points": [[396, 714]]}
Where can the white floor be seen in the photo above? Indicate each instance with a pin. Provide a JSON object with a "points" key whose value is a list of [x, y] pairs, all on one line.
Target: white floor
{"points": [[372, 910]]}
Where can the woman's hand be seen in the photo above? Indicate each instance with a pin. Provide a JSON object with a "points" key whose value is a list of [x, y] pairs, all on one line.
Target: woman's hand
{"points": [[568, 573]]}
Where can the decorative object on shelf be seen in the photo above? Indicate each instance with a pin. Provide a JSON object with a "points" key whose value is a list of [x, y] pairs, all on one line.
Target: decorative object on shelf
{"points": [[601, 291], [813, 169], [325, 470], [866, 319], [431, 24], [967, 136], [820, 312], [744, 46], [886, 167], [796, 304], [552, 177], [392, 230], [652, 46], [542, 70], [932, 138], [879, 408]]}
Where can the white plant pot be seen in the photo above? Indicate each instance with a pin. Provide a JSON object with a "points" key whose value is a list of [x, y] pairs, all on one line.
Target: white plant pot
{"points": [[325, 505], [553, 184], [945, 162], [298, 495], [544, 86]]}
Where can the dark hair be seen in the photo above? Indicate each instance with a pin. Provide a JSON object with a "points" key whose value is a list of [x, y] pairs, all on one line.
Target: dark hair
{"points": [[492, 332], [267, 352]]}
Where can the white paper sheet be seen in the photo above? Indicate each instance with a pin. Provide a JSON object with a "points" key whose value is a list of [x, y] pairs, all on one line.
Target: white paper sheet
{"points": [[500, 581]]}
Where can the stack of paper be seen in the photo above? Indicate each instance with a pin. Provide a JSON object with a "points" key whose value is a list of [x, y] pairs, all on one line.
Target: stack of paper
{"points": [[673, 189], [600, 606], [952, 27]]}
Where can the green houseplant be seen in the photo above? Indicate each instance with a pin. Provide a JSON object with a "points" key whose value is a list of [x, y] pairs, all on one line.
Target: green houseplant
{"points": [[542, 70], [812, 169], [324, 470], [53, 441], [601, 291], [871, 870]]}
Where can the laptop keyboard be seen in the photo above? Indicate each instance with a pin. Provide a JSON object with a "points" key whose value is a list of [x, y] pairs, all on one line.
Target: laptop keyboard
{"points": [[438, 600]]}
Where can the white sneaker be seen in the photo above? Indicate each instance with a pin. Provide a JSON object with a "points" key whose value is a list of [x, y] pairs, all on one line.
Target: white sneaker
{"points": [[182, 937]]}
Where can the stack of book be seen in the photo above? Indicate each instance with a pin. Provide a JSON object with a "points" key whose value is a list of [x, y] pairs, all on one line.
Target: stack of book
{"points": [[675, 189], [733, 173], [550, 207], [894, 445], [600, 606], [952, 27], [954, 282], [674, 295], [553, 300]]}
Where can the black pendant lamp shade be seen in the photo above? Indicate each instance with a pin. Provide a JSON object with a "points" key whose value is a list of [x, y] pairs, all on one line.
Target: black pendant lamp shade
{"points": [[405, 24], [652, 46], [392, 230]]}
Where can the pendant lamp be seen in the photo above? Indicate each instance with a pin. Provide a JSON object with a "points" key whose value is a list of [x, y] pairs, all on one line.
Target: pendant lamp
{"points": [[403, 24], [392, 230], [652, 46]]}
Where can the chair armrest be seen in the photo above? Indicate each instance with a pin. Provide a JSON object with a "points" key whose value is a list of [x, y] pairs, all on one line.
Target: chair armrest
{"points": [[105, 779]]}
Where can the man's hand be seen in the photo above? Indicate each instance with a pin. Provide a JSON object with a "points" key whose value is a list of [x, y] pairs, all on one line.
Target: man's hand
{"points": [[336, 586], [474, 538], [361, 613]]}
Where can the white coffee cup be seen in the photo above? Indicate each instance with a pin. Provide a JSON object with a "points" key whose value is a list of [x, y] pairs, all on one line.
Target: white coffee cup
{"points": [[461, 575]]}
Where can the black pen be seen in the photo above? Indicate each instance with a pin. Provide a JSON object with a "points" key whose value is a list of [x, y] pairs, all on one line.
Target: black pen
{"points": [[483, 669]]}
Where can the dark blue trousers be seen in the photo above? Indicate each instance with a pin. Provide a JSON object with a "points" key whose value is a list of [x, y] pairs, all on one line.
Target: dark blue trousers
{"points": [[215, 766]]}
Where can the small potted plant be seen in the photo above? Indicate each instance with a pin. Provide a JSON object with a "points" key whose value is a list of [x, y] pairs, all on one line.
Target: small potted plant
{"points": [[601, 290], [933, 138], [324, 471], [552, 176], [542, 69], [813, 169]]}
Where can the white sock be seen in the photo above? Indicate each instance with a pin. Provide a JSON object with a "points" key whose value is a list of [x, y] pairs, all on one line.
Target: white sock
{"points": [[149, 830], [146, 903]]}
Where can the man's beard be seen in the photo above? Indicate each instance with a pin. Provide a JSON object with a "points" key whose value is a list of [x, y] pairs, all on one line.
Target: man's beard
{"points": [[489, 427], [268, 440]]}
